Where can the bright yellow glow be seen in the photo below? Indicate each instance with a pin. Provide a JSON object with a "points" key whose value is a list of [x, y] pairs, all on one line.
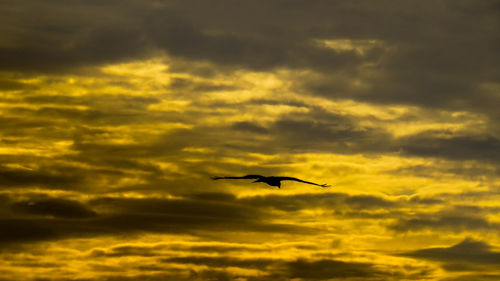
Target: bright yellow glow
{"points": [[342, 45], [154, 69]]}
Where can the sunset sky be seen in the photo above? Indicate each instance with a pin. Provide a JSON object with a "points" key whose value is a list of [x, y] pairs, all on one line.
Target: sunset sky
{"points": [[116, 114]]}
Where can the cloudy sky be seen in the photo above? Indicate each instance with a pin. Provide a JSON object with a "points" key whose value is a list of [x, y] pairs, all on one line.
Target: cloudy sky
{"points": [[115, 114]]}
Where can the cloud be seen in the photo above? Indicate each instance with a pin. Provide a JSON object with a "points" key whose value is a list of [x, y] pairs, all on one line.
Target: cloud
{"points": [[68, 38], [446, 68], [11, 85], [54, 207], [25, 178], [479, 147], [455, 220], [111, 216], [453, 169], [478, 277], [160, 249], [459, 256], [344, 134], [300, 268], [120, 111], [260, 263], [250, 127], [326, 269], [369, 201], [209, 212], [319, 131], [136, 30], [188, 85], [326, 201]]}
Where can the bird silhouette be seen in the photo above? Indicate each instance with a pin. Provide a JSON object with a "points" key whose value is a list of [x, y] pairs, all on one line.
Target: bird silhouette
{"points": [[272, 181]]}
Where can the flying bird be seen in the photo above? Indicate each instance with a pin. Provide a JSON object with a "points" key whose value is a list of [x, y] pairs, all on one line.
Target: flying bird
{"points": [[272, 181]]}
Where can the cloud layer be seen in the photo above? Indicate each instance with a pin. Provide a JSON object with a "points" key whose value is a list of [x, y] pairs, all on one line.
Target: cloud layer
{"points": [[114, 116]]}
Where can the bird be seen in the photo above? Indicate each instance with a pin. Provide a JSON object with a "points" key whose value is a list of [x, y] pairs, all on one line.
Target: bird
{"points": [[272, 181]]}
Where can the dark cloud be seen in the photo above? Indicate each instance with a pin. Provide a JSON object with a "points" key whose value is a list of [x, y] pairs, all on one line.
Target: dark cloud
{"points": [[205, 208], [250, 127], [135, 29], [124, 251], [214, 196], [467, 170], [320, 131], [249, 51], [467, 197], [468, 251], [222, 249], [93, 47], [132, 216], [326, 269], [456, 221], [429, 55], [337, 130], [426, 200], [439, 68], [28, 178], [159, 250], [68, 37], [327, 201], [54, 207], [212, 212], [17, 126], [11, 85], [478, 277], [52, 175], [260, 263], [368, 201], [103, 110], [188, 85], [158, 273], [26, 230], [482, 147], [301, 268]]}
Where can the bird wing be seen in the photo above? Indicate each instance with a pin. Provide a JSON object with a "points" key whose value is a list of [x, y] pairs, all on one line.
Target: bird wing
{"points": [[296, 179], [237, 178]]}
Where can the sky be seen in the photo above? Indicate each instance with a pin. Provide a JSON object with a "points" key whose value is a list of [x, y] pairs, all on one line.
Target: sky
{"points": [[116, 114]]}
